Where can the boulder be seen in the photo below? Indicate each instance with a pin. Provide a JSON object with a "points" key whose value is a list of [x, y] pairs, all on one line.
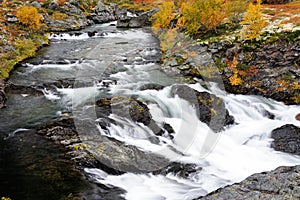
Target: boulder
{"points": [[210, 108], [281, 183], [127, 20], [298, 117], [102, 14], [286, 139], [76, 19], [129, 108]]}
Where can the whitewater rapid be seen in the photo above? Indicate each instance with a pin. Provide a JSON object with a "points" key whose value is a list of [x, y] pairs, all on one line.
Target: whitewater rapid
{"points": [[221, 159]]}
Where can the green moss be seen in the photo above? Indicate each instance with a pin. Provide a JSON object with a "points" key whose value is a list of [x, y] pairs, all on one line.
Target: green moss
{"points": [[24, 48]]}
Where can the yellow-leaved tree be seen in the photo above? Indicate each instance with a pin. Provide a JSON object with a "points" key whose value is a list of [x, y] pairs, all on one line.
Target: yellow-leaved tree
{"points": [[29, 16], [163, 18], [254, 22], [197, 14]]}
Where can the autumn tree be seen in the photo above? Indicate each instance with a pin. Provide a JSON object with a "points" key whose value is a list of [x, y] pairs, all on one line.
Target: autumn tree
{"points": [[254, 22], [29, 16], [163, 18], [206, 15]]}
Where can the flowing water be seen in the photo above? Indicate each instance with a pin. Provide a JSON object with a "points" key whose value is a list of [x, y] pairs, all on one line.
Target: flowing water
{"points": [[76, 70]]}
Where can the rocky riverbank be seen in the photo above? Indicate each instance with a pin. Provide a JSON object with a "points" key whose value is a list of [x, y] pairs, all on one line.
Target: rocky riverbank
{"points": [[269, 67]]}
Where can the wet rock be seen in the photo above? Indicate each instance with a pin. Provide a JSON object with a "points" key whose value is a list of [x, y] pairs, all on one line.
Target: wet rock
{"points": [[63, 132], [210, 108], [298, 117], [20, 89], [126, 20], [129, 108], [286, 139], [3, 97], [281, 183], [179, 169], [151, 86]]}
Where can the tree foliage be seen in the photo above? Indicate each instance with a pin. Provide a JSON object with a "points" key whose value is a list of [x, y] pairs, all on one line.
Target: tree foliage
{"points": [[163, 18], [203, 14], [29, 16], [199, 15], [254, 22]]}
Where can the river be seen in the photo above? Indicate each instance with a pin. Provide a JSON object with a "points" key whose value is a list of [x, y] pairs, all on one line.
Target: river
{"points": [[78, 69]]}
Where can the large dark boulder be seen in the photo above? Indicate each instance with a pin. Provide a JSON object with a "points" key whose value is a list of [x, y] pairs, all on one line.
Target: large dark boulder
{"points": [[287, 139], [210, 108], [126, 107], [281, 183]]}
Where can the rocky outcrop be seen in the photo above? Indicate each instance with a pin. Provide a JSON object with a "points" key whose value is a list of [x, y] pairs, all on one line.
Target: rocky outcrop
{"points": [[210, 108], [127, 19], [102, 152], [74, 17], [102, 14], [186, 57], [281, 183], [286, 139], [270, 69]]}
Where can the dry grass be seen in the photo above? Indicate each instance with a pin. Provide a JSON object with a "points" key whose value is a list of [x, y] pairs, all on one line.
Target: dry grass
{"points": [[283, 10]]}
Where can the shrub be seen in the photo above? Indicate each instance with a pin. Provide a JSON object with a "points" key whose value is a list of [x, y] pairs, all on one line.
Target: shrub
{"points": [[59, 16], [25, 48], [164, 16], [254, 21], [206, 15], [29, 16]]}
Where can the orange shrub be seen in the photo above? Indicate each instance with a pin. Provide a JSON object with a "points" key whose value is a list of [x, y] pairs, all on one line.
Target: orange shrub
{"points": [[61, 2], [29, 16]]}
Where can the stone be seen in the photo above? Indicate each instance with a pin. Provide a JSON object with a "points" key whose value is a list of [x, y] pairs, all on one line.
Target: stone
{"points": [[129, 108], [210, 109], [286, 139], [298, 117], [281, 183], [134, 21]]}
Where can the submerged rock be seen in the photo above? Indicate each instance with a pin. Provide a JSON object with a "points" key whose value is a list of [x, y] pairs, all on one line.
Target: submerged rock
{"points": [[281, 183], [210, 108], [287, 139]]}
